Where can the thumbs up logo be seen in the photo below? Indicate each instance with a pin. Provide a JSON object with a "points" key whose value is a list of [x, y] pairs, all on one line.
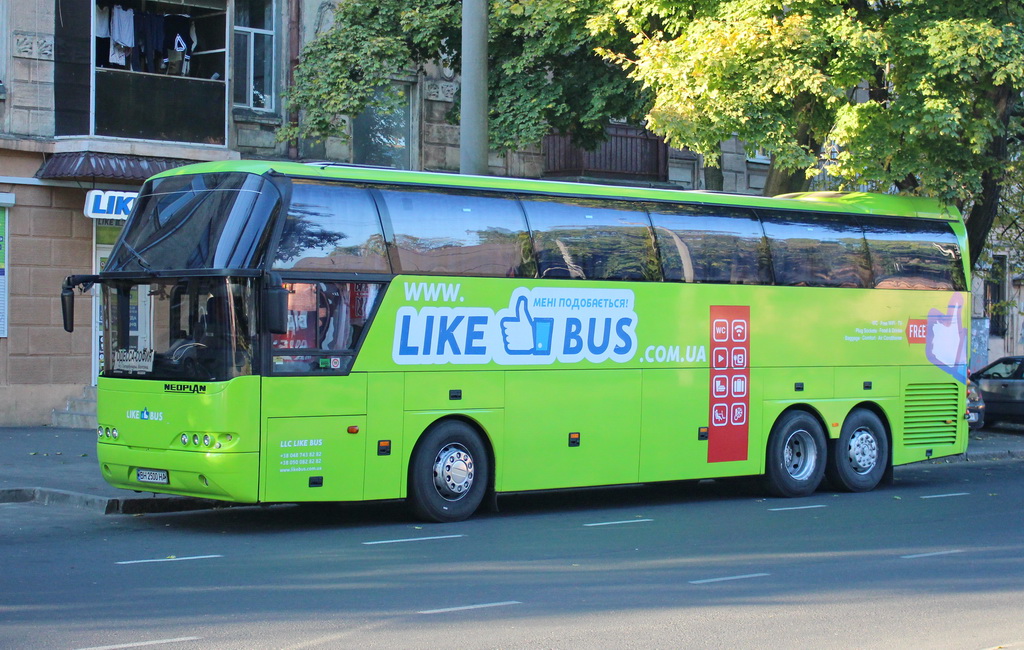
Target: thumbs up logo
{"points": [[524, 334], [946, 339]]}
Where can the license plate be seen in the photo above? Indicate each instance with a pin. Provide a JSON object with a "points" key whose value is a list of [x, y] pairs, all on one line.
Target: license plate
{"points": [[972, 416], [151, 476]]}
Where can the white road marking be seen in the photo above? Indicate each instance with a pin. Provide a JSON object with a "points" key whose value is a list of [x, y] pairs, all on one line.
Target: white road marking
{"points": [[943, 496], [796, 508], [742, 577], [616, 523], [917, 555], [465, 607], [170, 559], [141, 644], [411, 539]]}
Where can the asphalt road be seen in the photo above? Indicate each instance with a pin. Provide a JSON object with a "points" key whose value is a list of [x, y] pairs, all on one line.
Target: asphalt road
{"points": [[935, 561]]}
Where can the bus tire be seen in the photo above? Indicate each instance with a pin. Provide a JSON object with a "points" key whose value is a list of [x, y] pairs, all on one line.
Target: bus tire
{"points": [[860, 455], [448, 473], [795, 459]]}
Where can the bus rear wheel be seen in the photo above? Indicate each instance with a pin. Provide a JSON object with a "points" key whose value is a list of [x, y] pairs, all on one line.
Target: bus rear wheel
{"points": [[795, 460], [860, 455], [448, 473]]}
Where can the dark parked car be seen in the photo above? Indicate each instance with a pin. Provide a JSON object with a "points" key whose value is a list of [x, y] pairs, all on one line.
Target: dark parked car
{"points": [[1002, 387], [975, 406]]}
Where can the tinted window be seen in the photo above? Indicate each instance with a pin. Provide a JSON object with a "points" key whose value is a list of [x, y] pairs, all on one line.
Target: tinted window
{"points": [[594, 240], [195, 222], [458, 233], [710, 244], [325, 322], [816, 249], [913, 254], [333, 227]]}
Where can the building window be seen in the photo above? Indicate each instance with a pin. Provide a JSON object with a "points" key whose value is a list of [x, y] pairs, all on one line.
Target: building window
{"points": [[383, 138], [995, 296], [254, 54]]}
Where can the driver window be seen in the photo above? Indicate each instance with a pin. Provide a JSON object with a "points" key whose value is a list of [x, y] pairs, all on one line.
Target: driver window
{"points": [[1001, 370], [325, 323]]}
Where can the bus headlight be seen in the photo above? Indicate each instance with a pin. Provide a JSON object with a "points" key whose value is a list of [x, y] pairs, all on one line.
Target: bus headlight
{"points": [[99, 432], [113, 433], [206, 440], [184, 439]]}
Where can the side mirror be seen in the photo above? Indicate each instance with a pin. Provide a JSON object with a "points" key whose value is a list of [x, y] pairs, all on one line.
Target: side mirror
{"points": [[67, 305], [275, 304]]}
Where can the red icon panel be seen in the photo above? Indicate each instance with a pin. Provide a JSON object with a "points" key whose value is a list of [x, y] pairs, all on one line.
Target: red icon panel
{"points": [[728, 426]]}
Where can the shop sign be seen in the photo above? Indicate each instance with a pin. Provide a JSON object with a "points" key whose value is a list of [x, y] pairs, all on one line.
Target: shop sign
{"points": [[104, 204]]}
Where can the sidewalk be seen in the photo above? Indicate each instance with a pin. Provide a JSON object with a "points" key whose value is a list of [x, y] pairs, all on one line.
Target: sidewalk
{"points": [[58, 466]]}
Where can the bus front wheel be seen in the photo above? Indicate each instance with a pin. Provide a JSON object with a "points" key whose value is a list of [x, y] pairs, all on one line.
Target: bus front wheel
{"points": [[860, 455], [795, 461], [448, 473]]}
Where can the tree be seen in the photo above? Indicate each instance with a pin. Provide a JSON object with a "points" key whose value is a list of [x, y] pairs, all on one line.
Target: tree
{"points": [[544, 71], [909, 94]]}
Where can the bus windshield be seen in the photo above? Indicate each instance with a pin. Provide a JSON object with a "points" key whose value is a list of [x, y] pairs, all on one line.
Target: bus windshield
{"points": [[188, 329], [197, 221]]}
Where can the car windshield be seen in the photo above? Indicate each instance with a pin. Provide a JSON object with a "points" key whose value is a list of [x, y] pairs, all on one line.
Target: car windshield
{"points": [[191, 329]]}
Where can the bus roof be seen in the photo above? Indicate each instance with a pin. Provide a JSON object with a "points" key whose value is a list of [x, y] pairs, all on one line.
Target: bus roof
{"points": [[855, 202]]}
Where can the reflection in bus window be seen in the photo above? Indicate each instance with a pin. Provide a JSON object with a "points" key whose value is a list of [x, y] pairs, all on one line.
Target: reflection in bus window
{"points": [[325, 322], [195, 221], [710, 244], [913, 254], [817, 249], [590, 239], [331, 227], [458, 233]]}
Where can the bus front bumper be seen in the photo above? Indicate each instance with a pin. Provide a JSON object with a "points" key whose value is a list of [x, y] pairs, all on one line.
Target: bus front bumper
{"points": [[223, 476]]}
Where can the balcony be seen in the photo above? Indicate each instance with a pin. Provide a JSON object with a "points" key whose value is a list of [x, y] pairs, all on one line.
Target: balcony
{"points": [[630, 154]]}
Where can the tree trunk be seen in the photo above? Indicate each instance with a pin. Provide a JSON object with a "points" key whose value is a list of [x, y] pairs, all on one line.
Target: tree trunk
{"points": [[986, 205], [784, 182]]}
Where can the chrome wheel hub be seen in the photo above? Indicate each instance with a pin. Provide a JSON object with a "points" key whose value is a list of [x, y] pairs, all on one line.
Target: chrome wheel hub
{"points": [[800, 455], [863, 451], [453, 472]]}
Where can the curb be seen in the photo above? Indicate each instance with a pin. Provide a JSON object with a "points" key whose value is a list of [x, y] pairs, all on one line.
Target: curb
{"points": [[107, 505], [163, 504]]}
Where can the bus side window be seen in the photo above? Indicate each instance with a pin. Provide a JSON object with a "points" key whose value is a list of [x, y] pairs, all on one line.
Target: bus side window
{"points": [[331, 227], [325, 323], [458, 233], [913, 254], [710, 244], [811, 249], [592, 240]]}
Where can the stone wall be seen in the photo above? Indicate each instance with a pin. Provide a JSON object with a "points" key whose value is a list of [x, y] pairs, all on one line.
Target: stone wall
{"points": [[41, 365], [29, 81]]}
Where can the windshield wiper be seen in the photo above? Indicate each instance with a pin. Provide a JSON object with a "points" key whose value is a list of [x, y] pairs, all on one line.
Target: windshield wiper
{"points": [[142, 260]]}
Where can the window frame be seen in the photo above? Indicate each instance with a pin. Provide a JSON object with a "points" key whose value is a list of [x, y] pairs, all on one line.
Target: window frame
{"points": [[250, 37]]}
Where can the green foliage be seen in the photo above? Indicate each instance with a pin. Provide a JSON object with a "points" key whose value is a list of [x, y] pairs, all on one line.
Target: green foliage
{"points": [[902, 89], [544, 72]]}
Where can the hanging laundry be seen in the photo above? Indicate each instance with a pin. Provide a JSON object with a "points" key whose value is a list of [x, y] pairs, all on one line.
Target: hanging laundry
{"points": [[178, 37]]}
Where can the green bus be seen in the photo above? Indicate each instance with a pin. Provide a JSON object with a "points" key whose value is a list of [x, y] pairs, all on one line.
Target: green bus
{"points": [[287, 332]]}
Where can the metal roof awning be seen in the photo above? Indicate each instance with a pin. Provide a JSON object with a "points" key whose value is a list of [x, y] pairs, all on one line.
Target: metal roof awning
{"points": [[89, 166]]}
